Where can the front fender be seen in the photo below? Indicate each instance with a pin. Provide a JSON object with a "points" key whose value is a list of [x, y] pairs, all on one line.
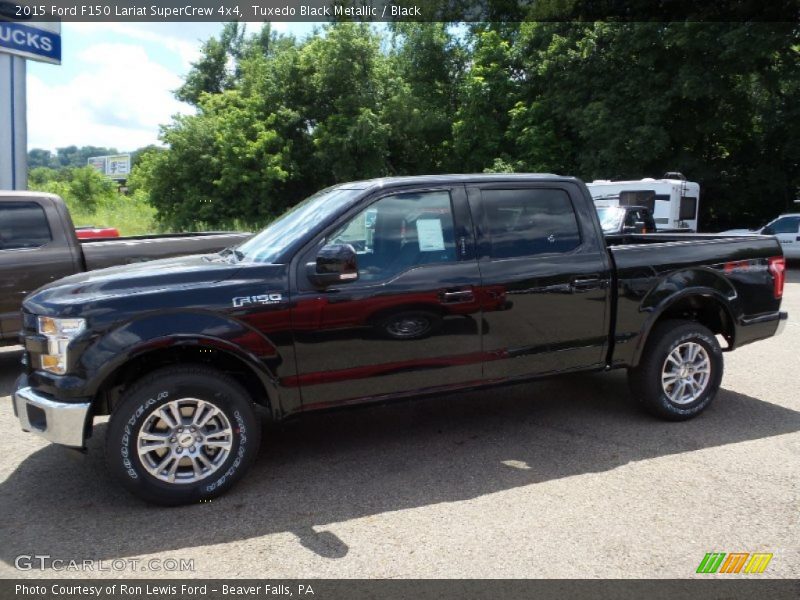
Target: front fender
{"points": [[120, 345]]}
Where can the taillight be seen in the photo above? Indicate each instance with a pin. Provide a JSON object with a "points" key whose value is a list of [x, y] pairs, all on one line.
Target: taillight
{"points": [[777, 266]]}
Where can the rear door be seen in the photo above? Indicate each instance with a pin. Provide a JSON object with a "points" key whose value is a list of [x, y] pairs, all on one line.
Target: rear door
{"points": [[542, 255], [30, 256], [411, 321]]}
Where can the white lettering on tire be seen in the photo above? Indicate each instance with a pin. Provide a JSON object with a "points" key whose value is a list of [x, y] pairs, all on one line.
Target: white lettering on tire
{"points": [[128, 433], [239, 454]]}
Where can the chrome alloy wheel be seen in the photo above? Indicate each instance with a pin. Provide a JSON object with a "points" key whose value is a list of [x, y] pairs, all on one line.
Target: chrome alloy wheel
{"points": [[686, 373], [407, 327], [184, 441]]}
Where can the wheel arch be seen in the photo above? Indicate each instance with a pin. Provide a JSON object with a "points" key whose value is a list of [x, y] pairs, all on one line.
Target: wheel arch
{"points": [[705, 305], [208, 352]]}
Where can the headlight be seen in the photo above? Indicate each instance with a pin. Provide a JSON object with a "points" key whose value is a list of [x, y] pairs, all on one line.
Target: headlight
{"points": [[59, 333]]}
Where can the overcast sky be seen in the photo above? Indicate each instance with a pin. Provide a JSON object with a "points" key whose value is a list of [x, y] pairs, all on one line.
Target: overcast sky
{"points": [[114, 86]]}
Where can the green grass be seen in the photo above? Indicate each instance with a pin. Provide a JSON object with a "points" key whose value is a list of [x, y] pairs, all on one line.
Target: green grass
{"points": [[132, 215]]}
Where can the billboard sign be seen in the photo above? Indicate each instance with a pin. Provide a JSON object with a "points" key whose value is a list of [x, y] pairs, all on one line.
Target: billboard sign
{"points": [[32, 40], [115, 166], [98, 163]]}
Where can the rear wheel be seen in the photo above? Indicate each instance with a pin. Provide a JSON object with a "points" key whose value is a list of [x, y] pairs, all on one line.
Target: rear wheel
{"points": [[410, 325], [181, 435], [680, 372]]}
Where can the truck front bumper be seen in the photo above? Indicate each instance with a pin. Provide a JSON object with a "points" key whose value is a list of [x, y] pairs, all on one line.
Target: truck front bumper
{"points": [[59, 422]]}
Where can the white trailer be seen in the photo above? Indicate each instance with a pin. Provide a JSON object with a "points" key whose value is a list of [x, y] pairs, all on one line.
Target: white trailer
{"points": [[675, 203]]}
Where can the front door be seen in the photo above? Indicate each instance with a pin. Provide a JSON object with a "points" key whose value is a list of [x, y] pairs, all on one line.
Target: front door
{"points": [[549, 274], [411, 322]]}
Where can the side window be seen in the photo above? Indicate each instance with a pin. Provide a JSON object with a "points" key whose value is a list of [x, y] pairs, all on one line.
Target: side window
{"points": [[23, 225], [399, 232], [688, 208], [785, 225], [525, 222], [638, 198]]}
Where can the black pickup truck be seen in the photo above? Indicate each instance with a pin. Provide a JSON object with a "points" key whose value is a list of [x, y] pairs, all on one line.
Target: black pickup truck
{"points": [[377, 290], [615, 220], [38, 244]]}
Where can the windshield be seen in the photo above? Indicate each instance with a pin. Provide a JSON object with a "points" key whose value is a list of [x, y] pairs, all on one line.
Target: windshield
{"points": [[610, 218], [293, 225]]}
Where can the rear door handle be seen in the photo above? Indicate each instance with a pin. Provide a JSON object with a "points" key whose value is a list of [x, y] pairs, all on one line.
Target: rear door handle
{"points": [[452, 296]]}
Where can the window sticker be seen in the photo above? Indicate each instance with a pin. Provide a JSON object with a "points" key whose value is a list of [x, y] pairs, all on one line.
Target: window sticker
{"points": [[430, 235]]}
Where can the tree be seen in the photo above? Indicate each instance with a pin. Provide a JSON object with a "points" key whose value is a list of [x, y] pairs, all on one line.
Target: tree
{"points": [[426, 63], [486, 96], [279, 118], [216, 69], [40, 158], [87, 186], [629, 100]]}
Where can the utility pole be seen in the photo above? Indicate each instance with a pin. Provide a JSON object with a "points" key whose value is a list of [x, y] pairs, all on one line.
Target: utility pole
{"points": [[13, 123]]}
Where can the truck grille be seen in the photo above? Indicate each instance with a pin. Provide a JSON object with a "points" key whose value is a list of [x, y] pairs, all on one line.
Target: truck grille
{"points": [[28, 323], [34, 343]]}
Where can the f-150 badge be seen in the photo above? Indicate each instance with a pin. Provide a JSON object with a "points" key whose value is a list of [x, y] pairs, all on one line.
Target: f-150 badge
{"points": [[240, 301]]}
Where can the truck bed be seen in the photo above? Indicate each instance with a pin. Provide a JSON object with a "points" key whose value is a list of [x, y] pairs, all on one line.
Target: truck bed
{"points": [[653, 267], [109, 252]]}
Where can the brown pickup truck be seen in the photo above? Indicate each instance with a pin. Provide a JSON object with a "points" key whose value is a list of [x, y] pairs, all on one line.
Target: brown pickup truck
{"points": [[38, 245]]}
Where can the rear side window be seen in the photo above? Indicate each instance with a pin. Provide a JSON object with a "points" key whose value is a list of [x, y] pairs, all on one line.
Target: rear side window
{"points": [[688, 208], [646, 198], [526, 222], [23, 225]]}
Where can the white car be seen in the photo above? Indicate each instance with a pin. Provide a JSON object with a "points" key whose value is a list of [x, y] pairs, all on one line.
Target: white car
{"points": [[786, 228]]}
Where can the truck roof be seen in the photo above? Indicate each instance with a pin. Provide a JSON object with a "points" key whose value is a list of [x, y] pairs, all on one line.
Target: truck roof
{"points": [[25, 194], [387, 182], [638, 181]]}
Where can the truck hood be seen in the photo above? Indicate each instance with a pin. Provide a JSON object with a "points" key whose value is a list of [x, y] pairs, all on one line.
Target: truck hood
{"points": [[134, 279]]}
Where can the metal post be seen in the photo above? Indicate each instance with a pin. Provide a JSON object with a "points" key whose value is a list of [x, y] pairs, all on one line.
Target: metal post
{"points": [[13, 124]]}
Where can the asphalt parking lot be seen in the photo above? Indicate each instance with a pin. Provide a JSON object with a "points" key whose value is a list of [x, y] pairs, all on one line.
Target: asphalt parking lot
{"points": [[558, 479]]}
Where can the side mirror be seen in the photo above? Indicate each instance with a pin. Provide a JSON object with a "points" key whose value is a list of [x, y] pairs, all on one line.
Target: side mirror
{"points": [[768, 231], [337, 263]]}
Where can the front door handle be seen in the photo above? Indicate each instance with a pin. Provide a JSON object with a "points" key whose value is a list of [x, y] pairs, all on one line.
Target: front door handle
{"points": [[452, 296], [584, 284]]}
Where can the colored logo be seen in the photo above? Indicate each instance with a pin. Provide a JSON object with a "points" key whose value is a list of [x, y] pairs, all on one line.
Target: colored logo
{"points": [[735, 562]]}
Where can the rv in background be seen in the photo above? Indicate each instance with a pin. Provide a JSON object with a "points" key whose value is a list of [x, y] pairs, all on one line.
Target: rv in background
{"points": [[673, 201]]}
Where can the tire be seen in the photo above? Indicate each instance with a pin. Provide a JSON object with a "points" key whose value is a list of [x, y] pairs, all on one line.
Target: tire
{"points": [[667, 364], [154, 456], [410, 325]]}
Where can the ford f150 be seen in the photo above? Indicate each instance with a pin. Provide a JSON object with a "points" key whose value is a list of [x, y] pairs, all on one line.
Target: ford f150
{"points": [[377, 290]]}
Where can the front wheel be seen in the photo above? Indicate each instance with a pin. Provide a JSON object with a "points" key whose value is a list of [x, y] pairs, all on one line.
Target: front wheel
{"points": [[410, 325], [680, 372], [181, 435]]}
